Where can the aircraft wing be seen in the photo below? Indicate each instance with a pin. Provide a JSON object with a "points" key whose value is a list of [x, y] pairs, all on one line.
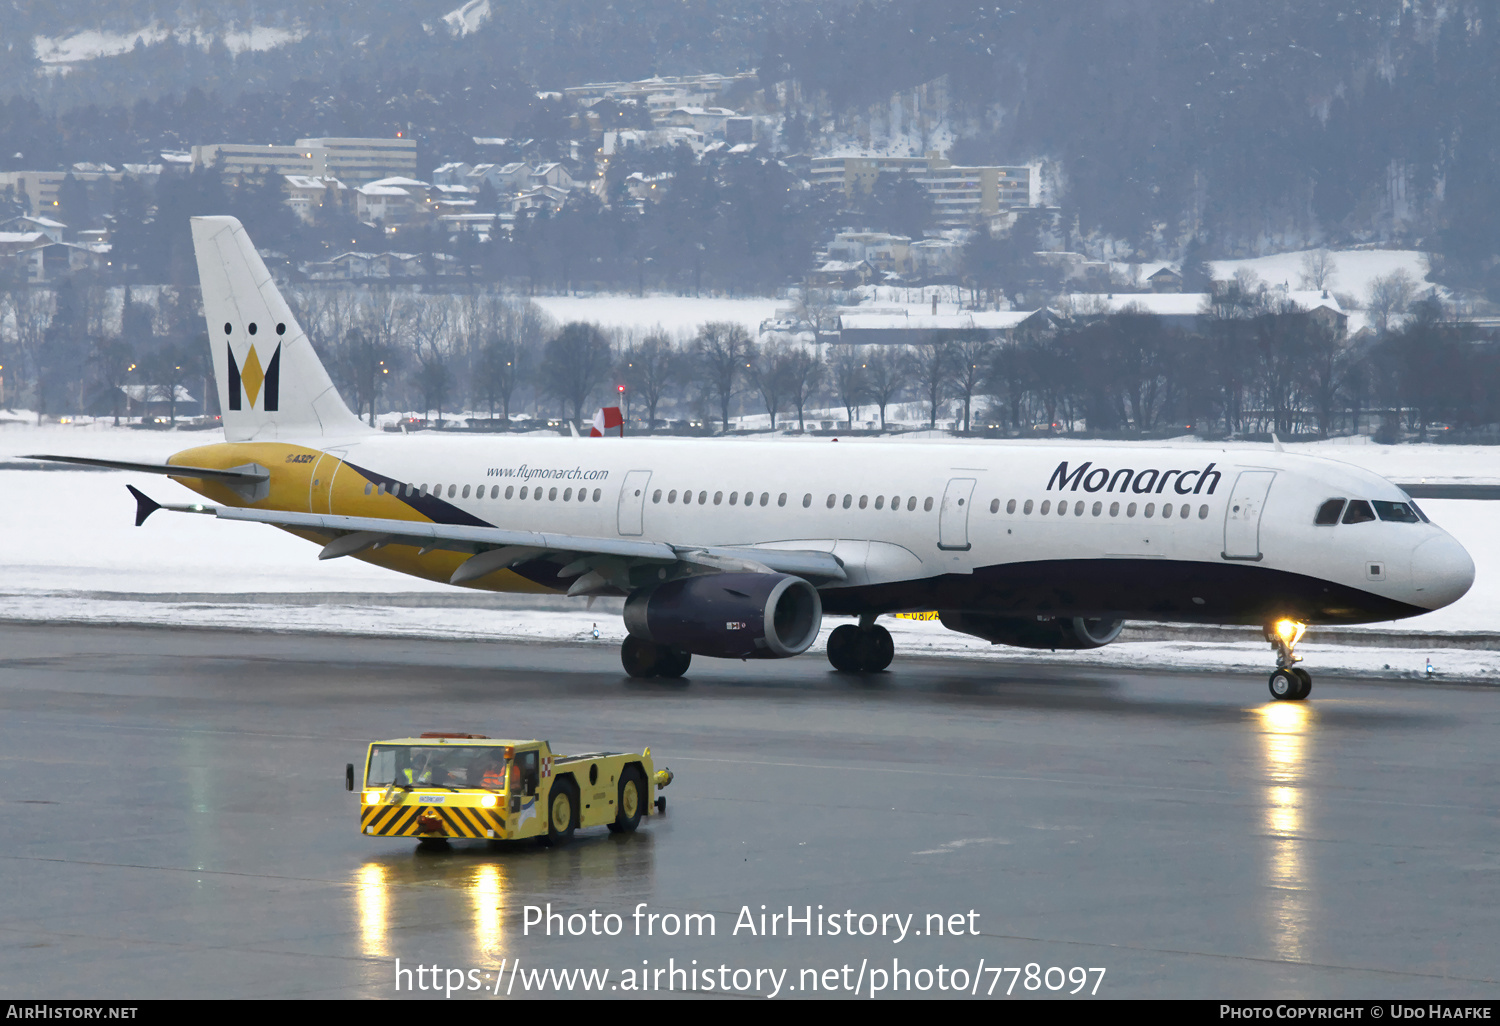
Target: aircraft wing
{"points": [[596, 562]]}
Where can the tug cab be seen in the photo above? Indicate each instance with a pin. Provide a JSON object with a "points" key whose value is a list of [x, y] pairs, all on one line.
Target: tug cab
{"points": [[442, 786]]}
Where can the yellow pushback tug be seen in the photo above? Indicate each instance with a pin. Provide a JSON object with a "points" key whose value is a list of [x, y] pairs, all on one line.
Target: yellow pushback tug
{"points": [[441, 786]]}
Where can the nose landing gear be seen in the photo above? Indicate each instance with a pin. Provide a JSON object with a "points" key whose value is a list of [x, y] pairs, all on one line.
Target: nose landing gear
{"points": [[1289, 682]]}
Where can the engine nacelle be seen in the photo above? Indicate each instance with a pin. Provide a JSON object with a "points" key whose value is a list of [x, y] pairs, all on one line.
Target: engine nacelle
{"points": [[1074, 632], [730, 615]]}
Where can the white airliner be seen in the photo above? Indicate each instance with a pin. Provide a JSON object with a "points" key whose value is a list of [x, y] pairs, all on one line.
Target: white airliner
{"points": [[739, 550]]}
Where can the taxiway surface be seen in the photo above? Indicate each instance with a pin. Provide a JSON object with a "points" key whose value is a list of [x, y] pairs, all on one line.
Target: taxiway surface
{"points": [[176, 823]]}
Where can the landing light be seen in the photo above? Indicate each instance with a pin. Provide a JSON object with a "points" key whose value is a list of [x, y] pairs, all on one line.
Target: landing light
{"points": [[1289, 631]]}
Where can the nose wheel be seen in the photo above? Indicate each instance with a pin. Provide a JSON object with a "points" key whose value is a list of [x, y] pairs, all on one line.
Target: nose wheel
{"points": [[1289, 682]]}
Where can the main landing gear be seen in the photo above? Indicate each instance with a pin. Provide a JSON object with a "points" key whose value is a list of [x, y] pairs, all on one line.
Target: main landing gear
{"points": [[642, 658], [867, 648], [1290, 682]]}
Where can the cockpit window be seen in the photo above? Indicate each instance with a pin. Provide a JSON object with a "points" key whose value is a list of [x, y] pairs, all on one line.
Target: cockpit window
{"points": [[1418, 511], [1328, 513], [1399, 512], [1359, 512]]}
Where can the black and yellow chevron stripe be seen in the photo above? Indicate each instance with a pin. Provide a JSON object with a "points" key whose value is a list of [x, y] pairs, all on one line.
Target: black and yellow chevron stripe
{"points": [[457, 820]]}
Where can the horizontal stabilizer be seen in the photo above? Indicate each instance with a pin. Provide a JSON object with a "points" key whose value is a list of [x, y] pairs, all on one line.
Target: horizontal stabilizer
{"points": [[144, 505], [239, 475]]}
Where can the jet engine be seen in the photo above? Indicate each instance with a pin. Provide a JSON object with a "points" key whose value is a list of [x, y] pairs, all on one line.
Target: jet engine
{"points": [[730, 615], [1074, 632]]}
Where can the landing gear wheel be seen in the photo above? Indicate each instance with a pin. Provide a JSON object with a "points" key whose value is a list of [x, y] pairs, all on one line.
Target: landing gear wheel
{"points": [[672, 662], [1306, 679], [640, 657], [875, 649], [562, 812], [843, 648], [632, 800], [1286, 685]]}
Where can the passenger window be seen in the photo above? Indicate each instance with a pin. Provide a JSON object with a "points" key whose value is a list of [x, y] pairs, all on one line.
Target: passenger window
{"points": [[1203, 512], [655, 497], [369, 488], [510, 491], [551, 495], [1046, 506], [454, 488], [864, 500], [597, 494], [911, 503], [831, 500], [1150, 510], [1010, 507], [848, 501], [1328, 513], [672, 495], [781, 499], [1078, 508], [1098, 508], [895, 502], [583, 495], [1026, 509], [568, 495], [422, 490], [495, 492], [765, 498], [1359, 512], [687, 498], [994, 505], [1166, 511], [523, 491], [703, 498], [1397, 512], [735, 497], [806, 500], [1130, 510], [719, 498], [1114, 509], [927, 506], [466, 491]]}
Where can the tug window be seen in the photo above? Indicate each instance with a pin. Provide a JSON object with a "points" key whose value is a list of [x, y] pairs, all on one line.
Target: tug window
{"points": [[1359, 512], [1399, 512], [1328, 513]]}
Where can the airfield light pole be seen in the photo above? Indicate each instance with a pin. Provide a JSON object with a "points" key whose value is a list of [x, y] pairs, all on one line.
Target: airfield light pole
{"points": [[624, 409]]}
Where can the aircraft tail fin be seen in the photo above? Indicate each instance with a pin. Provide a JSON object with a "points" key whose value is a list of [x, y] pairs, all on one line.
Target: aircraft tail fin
{"points": [[271, 383]]}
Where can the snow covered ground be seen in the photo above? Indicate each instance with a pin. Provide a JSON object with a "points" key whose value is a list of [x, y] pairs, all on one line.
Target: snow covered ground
{"points": [[92, 43], [1354, 269], [678, 315]]}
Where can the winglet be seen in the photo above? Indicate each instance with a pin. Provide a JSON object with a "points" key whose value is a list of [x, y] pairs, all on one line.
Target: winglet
{"points": [[144, 505], [1277, 441]]}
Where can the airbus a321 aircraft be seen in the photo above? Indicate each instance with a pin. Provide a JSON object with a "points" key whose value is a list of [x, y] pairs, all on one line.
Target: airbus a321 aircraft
{"points": [[739, 550]]}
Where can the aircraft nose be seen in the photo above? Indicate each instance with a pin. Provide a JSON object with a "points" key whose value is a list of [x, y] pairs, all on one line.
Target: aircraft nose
{"points": [[1441, 572]]}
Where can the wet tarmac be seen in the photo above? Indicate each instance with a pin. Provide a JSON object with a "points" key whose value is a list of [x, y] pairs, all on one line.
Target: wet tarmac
{"points": [[175, 825]]}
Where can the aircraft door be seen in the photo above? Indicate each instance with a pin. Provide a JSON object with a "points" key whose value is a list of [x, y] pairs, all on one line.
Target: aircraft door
{"points": [[632, 507], [953, 518], [320, 485], [1242, 517]]}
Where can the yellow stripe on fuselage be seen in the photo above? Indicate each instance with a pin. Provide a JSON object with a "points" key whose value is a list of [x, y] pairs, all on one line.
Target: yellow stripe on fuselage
{"points": [[306, 480]]}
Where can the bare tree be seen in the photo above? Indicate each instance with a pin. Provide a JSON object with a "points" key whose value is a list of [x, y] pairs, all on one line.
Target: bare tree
{"points": [[721, 349], [509, 340], [770, 372], [971, 359], [887, 371], [846, 373], [931, 365], [1389, 297], [650, 369], [1319, 270], [575, 363], [804, 374]]}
